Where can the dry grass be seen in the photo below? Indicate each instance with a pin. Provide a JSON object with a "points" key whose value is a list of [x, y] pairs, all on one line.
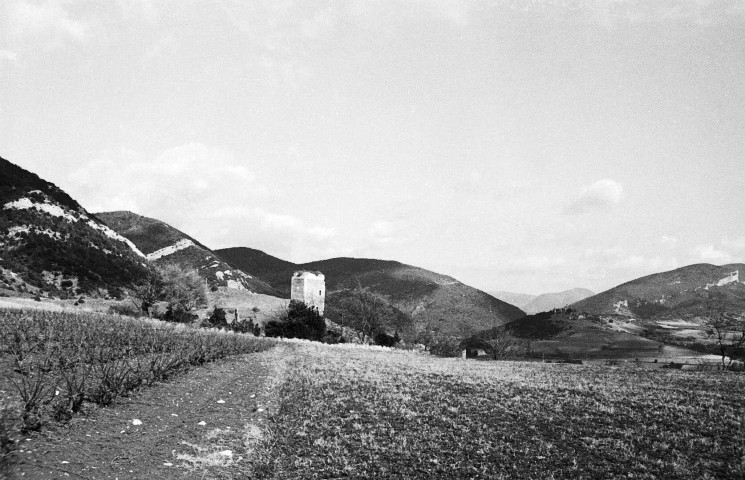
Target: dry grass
{"points": [[366, 413]]}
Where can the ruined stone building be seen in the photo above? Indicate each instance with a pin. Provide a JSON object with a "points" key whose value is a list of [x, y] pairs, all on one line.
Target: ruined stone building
{"points": [[309, 288]]}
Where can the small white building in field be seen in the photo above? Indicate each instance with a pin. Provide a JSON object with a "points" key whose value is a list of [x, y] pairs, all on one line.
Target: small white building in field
{"points": [[310, 288]]}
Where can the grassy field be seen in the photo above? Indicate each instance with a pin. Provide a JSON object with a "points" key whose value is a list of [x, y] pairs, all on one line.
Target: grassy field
{"points": [[366, 413]]}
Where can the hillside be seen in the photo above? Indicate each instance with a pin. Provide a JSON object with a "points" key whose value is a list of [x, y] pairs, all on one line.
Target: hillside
{"points": [[566, 333], [435, 301], [49, 244], [271, 269], [682, 293], [163, 244], [548, 301]]}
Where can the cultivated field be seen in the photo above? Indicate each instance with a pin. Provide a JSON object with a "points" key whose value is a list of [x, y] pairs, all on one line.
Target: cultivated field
{"points": [[54, 363], [345, 411], [364, 413]]}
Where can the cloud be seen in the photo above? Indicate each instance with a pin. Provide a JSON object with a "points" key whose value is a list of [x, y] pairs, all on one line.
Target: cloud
{"points": [[291, 225], [614, 13], [181, 179], [8, 56], [138, 9], [668, 241], [206, 192], [599, 196], [734, 244], [381, 228], [710, 253], [49, 19]]}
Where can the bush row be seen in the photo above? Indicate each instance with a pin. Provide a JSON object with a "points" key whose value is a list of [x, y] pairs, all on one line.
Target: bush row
{"points": [[56, 362]]}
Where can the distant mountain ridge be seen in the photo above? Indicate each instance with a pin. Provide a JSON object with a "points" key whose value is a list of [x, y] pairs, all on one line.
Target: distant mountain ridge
{"points": [[517, 299], [684, 292], [434, 300], [164, 244], [548, 301], [52, 244]]}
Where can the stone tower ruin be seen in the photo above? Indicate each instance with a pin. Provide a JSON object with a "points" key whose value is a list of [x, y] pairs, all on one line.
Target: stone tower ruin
{"points": [[309, 288]]}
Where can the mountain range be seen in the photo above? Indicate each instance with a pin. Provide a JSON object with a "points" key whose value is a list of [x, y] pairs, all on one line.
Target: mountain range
{"points": [[681, 293], [51, 246], [164, 244], [545, 301], [436, 301]]}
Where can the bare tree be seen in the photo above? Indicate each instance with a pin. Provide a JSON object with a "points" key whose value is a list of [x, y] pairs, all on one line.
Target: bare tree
{"points": [[147, 292], [500, 343], [181, 287], [729, 333], [367, 312]]}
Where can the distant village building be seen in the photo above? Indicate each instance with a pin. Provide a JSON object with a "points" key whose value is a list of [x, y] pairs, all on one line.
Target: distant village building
{"points": [[309, 288]]}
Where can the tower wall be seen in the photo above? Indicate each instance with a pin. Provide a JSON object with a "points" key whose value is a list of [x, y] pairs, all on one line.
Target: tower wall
{"points": [[309, 288]]}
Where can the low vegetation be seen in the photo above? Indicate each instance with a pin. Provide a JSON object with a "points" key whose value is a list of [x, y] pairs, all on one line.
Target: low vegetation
{"points": [[298, 321], [55, 363], [364, 413]]}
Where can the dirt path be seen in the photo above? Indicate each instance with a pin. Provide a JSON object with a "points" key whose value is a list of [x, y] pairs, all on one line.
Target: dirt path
{"points": [[208, 423]]}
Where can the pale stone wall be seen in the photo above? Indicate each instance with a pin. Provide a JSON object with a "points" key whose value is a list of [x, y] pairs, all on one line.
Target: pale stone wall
{"points": [[309, 288]]}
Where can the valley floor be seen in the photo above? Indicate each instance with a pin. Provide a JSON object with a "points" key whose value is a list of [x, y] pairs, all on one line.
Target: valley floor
{"points": [[339, 411]]}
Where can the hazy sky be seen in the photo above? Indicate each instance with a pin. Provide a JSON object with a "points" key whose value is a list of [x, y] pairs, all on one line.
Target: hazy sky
{"points": [[516, 145]]}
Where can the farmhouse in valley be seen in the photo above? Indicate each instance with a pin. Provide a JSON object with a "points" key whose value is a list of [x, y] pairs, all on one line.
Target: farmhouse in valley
{"points": [[310, 288]]}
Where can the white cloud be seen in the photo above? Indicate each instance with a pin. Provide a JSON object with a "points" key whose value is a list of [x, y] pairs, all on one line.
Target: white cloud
{"points": [[8, 56], [614, 13], [600, 195], [668, 241], [50, 19], [292, 225], [205, 192], [710, 253], [734, 244], [183, 179], [139, 9], [381, 228]]}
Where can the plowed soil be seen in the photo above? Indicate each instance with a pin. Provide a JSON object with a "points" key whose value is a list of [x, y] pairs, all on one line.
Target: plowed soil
{"points": [[208, 423]]}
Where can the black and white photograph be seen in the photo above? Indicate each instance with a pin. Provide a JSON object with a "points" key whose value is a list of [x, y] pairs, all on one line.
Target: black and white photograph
{"points": [[372, 239]]}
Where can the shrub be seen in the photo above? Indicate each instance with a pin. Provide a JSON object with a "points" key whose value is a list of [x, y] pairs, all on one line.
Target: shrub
{"points": [[59, 361], [445, 347], [125, 309], [298, 321], [217, 319], [385, 340], [9, 430], [178, 314]]}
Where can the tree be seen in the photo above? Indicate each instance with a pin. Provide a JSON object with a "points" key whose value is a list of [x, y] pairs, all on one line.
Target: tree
{"points": [[367, 312], [729, 333], [147, 292], [297, 321], [497, 342], [182, 288], [217, 319]]}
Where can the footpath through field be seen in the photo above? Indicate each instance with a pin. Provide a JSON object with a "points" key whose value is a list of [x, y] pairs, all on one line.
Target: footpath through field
{"points": [[208, 423]]}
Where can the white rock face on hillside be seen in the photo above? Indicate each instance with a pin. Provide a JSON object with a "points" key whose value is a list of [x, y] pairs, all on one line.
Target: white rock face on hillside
{"points": [[70, 216], [51, 209], [731, 278], [171, 249]]}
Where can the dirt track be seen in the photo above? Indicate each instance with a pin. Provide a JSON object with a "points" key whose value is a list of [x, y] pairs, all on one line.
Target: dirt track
{"points": [[232, 397]]}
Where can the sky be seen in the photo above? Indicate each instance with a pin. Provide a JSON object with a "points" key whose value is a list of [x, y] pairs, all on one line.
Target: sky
{"points": [[515, 145]]}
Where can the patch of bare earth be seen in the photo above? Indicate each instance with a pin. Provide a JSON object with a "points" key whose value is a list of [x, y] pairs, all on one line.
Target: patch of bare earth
{"points": [[209, 423]]}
